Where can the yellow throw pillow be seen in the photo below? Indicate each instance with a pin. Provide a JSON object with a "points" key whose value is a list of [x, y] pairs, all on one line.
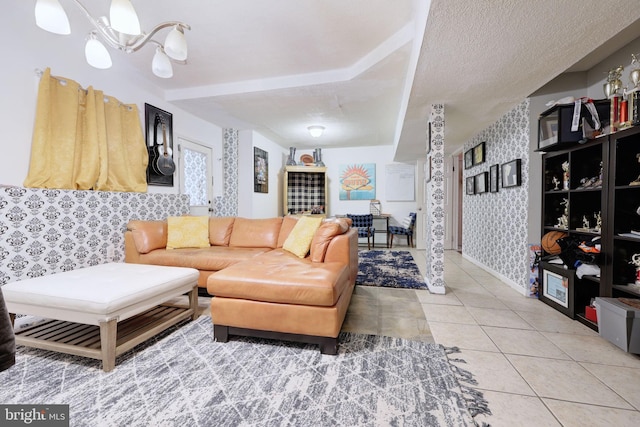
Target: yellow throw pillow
{"points": [[299, 240], [187, 232]]}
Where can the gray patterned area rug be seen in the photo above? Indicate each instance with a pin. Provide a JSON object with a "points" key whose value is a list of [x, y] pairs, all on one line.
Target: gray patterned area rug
{"points": [[183, 378], [389, 269]]}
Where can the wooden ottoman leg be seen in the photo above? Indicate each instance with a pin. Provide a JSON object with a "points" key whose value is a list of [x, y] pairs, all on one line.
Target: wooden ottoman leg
{"points": [[108, 338], [193, 302], [220, 333]]}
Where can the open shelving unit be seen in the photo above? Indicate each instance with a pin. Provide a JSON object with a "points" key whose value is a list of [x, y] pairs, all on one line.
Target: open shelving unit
{"points": [[613, 160]]}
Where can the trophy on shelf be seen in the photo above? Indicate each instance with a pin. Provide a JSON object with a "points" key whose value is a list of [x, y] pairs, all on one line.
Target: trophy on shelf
{"points": [[634, 75], [598, 217], [585, 224], [563, 221], [565, 176], [635, 260], [613, 84]]}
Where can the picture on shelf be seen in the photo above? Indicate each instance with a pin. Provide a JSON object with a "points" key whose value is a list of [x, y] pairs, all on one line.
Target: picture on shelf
{"points": [[470, 185], [555, 287], [494, 178], [481, 182], [479, 153], [511, 173], [468, 159]]}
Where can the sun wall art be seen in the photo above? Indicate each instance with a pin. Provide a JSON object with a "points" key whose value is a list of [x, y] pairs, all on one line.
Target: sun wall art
{"points": [[358, 181]]}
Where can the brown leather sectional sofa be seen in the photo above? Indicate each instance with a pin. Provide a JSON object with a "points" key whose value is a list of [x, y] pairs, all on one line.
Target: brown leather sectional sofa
{"points": [[259, 288]]}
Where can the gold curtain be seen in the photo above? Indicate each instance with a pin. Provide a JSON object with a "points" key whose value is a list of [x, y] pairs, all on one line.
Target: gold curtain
{"points": [[85, 140]]}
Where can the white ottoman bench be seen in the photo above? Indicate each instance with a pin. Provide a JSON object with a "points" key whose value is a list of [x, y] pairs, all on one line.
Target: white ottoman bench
{"points": [[101, 311]]}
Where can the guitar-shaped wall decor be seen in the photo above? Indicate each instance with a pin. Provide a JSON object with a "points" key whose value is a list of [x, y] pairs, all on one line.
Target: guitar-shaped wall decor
{"points": [[164, 163]]}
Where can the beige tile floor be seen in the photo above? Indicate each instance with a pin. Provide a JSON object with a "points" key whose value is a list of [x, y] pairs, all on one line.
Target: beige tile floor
{"points": [[535, 366]]}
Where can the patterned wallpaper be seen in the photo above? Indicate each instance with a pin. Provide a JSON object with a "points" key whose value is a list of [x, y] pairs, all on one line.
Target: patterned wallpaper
{"points": [[435, 204], [227, 205], [44, 231], [494, 225]]}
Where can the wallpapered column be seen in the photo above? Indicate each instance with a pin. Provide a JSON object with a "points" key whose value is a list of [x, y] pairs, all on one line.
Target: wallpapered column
{"points": [[494, 225], [435, 204], [227, 205]]}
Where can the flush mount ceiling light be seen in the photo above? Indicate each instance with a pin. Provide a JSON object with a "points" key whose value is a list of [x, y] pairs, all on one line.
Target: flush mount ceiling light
{"points": [[316, 131], [120, 31]]}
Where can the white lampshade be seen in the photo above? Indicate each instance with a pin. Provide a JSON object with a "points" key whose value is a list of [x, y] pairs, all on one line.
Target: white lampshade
{"points": [[50, 16], [161, 65], [96, 54], [316, 131], [123, 17], [175, 45]]}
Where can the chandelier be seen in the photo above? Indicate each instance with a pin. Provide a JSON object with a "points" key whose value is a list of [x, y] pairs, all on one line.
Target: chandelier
{"points": [[121, 31]]}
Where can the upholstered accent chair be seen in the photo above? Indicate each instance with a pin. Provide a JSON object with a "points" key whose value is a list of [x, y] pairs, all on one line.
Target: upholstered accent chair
{"points": [[364, 224], [406, 229]]}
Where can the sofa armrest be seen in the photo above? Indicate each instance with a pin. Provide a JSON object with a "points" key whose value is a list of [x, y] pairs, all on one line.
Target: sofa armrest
{"points": [[148, 235], [345, 248]]}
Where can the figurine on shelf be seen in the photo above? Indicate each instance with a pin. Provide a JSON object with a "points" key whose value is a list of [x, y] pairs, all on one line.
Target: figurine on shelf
{"points": [[556, 182], [565, 176], [598, 217], [598, 180], [563, 221], [635, 260], [585, 222]]}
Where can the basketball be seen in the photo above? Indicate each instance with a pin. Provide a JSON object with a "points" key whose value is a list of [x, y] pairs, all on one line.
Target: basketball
{"points": [[550, 244]]}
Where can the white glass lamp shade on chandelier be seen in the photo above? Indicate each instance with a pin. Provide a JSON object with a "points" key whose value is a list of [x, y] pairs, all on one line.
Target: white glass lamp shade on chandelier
{"points": [[120, 31]]}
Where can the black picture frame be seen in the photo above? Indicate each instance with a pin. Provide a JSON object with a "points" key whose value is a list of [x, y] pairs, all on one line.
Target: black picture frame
{"points": [[494, 178], [468, 159], [154, 119], [470, 185], [479, 152], [260, 171], [429, 138], [511, 173], [481, 182]]}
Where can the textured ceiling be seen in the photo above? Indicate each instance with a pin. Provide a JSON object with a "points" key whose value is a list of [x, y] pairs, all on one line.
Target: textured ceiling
{"points": [[368, 70]]}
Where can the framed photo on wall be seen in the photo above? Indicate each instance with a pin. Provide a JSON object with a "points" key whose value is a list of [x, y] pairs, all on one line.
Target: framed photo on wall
{"points": [[511, 173], [481, 182], [260, 171], [468, 159], [470, 185], [479, 153], [159, 139], [494, 178], [429, 138]]}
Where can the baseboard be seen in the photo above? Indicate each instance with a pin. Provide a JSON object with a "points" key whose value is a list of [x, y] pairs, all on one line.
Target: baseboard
{"points": [[511, 283]]}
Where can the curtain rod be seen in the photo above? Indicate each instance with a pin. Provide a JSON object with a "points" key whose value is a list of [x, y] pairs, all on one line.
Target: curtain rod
{"points": [[62, 80]]}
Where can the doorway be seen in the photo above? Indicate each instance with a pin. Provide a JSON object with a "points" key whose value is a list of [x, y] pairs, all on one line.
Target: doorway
{"points": [[196, 175]]}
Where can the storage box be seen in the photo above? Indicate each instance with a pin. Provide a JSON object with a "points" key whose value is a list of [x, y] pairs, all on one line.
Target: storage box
{"points": [[619, 324], [591, 314]]}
